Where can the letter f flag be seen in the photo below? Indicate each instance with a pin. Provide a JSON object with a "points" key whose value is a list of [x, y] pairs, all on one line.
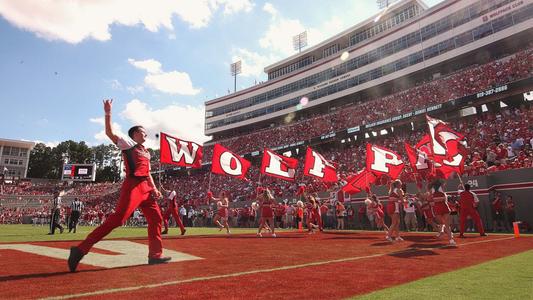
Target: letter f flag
{"points": [[228, 163], [317, 166], [179, 152], [278, 166]]}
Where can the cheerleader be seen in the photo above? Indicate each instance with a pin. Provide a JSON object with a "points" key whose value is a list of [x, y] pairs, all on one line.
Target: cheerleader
{"points": [[313, 214], [427, 211], [266, 201], [376, 208], [221, 218], [441, 209], [396, 197]]}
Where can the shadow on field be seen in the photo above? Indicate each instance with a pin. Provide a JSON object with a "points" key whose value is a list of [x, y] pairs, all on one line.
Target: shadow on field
{"points": [[49, 275], [413, 253]]}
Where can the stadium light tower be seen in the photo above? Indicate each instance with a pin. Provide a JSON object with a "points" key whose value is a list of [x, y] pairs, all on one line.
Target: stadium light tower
{"points": [[235, 69], [299, 41], [383, 4]]}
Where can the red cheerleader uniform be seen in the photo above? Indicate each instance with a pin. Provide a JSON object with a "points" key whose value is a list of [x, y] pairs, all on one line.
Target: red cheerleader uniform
{"points": [[440, 206], [266, 209]]}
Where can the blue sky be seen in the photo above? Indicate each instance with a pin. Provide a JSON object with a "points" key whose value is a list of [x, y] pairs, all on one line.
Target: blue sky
{"points": [[159, 60]]}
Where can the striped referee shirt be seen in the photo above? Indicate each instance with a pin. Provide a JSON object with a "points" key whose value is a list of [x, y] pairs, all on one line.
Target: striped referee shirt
{"points": [[76, 205], [56, 202]]}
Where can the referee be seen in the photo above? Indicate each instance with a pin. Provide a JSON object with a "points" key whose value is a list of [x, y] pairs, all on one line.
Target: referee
{"points": [[75, 207], [56, 214]]}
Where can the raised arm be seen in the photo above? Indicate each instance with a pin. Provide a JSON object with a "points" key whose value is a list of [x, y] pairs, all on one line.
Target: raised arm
{"points": [[108, 103]]}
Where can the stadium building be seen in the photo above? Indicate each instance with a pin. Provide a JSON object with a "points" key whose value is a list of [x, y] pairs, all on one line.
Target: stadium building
{"points": [[14, 157], [408, 45]]}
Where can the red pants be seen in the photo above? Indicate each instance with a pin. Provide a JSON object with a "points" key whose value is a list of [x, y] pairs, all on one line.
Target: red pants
{"points": [[174, 212], [133, 193], [472, 212]]}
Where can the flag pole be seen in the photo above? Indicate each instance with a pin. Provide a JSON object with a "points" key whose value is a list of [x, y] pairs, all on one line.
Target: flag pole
{"points": [[209, 184]]}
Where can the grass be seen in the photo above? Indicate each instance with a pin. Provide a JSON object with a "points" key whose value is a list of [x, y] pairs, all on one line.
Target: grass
{"points": [[510, 277], [29, 233]]}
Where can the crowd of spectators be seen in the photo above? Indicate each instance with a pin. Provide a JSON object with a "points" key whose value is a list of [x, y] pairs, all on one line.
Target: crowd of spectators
{"points": [[461, 83]]}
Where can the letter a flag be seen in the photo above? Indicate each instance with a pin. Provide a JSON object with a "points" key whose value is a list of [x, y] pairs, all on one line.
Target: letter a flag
{"points": [[226, 162], [179, 152], [278, 166], [360, 182], [382, 161], [317, 166]]}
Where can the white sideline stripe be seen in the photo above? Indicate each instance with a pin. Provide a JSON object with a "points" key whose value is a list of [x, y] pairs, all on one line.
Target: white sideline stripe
{"points": [[156, 285]]}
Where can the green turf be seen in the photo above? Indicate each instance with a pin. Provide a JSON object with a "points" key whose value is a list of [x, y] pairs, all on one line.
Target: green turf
{"points": [[505, 278], [29, 233]]}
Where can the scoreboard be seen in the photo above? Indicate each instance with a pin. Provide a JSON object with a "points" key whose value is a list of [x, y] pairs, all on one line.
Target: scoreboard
{"points": [[79, 172]]}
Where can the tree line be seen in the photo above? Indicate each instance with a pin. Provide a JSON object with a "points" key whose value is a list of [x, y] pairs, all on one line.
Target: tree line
{"points": [[47, 162]]}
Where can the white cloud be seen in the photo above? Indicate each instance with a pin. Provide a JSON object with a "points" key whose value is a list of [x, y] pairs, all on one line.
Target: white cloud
{"points": [[186, 122], [100, 136], [235, 6], [269, 8], [253, 63], [278, 36], [135, 89], [172, 82], [116, 85], [149, 65], [76, 20], [51, 144], [276, 42]]}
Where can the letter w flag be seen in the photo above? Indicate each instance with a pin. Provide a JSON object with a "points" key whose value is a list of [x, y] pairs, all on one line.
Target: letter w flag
{"points": [[278, 166], [317, 166], [382, 161], [179, 152], [228, 163]]}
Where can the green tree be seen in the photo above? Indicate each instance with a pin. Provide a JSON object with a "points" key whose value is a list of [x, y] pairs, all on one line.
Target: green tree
{"points": [[41, 164]]}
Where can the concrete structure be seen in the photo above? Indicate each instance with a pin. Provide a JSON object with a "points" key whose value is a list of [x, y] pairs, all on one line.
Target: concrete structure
{"points": [[15, 157]]}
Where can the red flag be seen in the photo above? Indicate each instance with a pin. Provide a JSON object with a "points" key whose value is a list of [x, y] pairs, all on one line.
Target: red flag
{"points": [[448, 152], [226, 162], [382, 161], [317, 166], [454, 161], [418, 159], [359, 182], [179, 152], [278, 166]]}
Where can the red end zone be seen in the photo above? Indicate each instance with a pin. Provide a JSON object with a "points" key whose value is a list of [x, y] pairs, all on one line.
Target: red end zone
{"points": [[328, 265]]}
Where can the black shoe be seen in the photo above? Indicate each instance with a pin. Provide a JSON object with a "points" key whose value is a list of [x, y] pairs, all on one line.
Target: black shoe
{"points": [[74, 258], [50, 233], [164, 231], [159, 260], [61, 230], [484, 234], [183, 231]]}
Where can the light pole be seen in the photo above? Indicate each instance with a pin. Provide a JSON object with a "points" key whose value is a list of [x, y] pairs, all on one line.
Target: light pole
{"points": [[299, 41], [235, 69]]}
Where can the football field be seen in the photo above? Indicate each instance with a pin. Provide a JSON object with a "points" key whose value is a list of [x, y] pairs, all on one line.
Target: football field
{"points": [[209, 264]]}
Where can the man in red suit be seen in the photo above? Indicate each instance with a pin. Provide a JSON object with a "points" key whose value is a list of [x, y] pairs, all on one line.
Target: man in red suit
{"points": [[468, 202], [138, 190]]}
